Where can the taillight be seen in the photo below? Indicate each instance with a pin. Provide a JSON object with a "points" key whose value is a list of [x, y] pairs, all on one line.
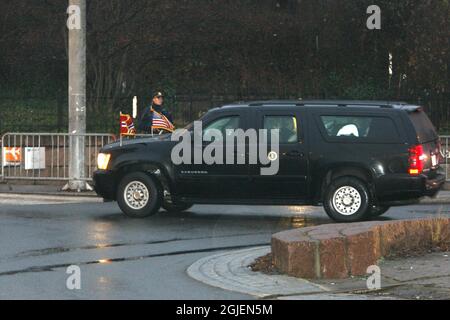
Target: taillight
{"points": [[417, 160]]}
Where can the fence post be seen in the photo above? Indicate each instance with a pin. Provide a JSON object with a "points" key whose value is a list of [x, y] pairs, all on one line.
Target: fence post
{"points": [[59, 112], [1, 159]]}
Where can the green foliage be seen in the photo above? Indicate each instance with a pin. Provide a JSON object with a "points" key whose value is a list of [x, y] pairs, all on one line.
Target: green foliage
{"points": [[365, 89], [27, 115]]}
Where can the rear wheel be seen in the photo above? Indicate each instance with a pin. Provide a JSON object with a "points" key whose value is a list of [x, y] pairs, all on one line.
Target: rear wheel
{"points": [[139, 195], [347, 200]]}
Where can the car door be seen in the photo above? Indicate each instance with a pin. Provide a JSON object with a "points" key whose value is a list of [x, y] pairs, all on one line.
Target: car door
{"points": [[218, 180], [290, 181]]}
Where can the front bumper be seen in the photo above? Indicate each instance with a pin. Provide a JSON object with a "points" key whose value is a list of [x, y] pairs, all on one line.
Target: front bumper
{"points": [[105, 184]]}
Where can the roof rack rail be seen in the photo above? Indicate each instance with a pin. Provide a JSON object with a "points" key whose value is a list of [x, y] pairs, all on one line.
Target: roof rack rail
{"points": [[268, 103], [338, 103]]}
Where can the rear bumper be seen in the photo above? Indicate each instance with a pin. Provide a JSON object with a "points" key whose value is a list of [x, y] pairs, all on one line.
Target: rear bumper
{"points": [[432, 186], [406, 189], [105, 184]]}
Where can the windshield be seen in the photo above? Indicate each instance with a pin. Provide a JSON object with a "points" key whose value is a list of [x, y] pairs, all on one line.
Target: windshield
{"points": [[190, 126]]}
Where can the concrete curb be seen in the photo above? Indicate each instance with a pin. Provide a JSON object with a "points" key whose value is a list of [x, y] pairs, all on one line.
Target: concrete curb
{"points": [[46, 190], [443, 197], [439, 200], [18, 199], [338, 251]]}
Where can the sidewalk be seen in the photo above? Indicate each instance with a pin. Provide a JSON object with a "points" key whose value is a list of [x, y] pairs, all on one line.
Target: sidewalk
{"points": [[422, 277], [38, 189], [442, 198]]}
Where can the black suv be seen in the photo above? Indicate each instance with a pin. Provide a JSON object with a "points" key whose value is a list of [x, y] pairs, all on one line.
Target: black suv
{"points": [[356, 158]]}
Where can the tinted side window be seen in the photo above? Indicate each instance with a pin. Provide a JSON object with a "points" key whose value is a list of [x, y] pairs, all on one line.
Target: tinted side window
{"points": [[375, 129], [287, 126]]}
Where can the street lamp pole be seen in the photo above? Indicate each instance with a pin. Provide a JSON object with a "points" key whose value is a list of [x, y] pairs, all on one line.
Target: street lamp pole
{"points": [[76, 25]]}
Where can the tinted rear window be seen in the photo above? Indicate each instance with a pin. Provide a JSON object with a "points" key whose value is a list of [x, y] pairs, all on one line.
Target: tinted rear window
{"points": [[424, 128], [374, 129]]}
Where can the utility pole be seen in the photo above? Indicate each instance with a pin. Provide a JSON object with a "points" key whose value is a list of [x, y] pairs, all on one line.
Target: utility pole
{"points": [[76, 25]]}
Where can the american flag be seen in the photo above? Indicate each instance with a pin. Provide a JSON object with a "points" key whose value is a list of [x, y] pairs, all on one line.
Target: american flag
{"points": [[161, 122]]}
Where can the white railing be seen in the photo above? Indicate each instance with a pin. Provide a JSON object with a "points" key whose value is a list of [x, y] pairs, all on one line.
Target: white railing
{"points": [[445, 152], [45, 156]]}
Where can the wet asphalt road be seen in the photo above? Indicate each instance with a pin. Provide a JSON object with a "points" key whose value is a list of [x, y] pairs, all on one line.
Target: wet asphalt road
{"points": [[122, 258]]}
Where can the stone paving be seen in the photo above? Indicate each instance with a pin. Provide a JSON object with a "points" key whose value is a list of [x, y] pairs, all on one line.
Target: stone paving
{"points": [[420, 277], [230, 271]]}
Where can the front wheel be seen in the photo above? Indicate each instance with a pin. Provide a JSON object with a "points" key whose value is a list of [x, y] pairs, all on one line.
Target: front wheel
{"points": [[139, 195], [347, 200]]}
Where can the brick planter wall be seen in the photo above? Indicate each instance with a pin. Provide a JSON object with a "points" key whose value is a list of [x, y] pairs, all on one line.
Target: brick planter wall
{"points": [[337, 251]]}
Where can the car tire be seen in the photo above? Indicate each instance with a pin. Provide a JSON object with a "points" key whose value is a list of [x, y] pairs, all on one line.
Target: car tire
{"points": [[139, 195], [347, 199], [176, 207], [377, 211]]}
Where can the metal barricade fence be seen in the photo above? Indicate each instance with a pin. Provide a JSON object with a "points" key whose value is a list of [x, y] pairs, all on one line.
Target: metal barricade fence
{"points": [[445, 152], [45, 156]]}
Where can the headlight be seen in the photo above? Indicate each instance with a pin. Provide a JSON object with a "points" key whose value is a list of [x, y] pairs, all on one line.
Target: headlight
{"points": [[103, 160]]}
